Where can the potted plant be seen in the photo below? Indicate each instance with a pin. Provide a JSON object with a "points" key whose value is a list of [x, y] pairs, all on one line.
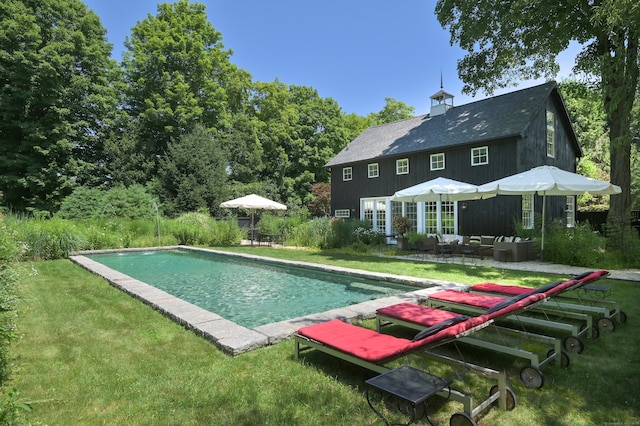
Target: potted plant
{"points": [[402, 225]]}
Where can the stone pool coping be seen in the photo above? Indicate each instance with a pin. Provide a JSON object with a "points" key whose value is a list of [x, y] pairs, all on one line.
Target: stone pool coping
{"points": [[233, 338]]}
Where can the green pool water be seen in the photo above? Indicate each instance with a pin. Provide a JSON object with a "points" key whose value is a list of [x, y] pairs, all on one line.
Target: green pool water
{"points": [[249, 293]]}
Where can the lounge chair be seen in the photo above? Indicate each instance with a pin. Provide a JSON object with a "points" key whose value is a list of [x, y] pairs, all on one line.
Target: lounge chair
{"points": [[419, 317], [605, 311], [473, 303], [375, 351]]}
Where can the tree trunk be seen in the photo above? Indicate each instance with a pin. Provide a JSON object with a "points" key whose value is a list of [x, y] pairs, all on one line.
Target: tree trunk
{"points": [[620, 80]]}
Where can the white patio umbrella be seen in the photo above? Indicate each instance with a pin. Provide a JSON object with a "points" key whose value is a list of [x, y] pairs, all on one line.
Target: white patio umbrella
{"points": [[439, 189], [547, 180], [253, 202]]}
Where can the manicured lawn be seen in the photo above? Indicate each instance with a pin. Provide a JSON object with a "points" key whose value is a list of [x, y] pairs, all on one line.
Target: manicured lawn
{"points": [[89, 354]]}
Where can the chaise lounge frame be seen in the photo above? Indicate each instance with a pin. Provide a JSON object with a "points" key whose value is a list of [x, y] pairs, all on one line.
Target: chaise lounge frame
{"points": [[605, 311], [340, 344], [531, 376], [460, 301], [500, 392]]}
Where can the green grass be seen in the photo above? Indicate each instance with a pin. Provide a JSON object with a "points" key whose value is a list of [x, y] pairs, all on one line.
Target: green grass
{"points": [[89, 354]]}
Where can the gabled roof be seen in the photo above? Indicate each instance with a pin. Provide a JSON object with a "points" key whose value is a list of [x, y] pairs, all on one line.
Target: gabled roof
{"points": [[495, 118]]}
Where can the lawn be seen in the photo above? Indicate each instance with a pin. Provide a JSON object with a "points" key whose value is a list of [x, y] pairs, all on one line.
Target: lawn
{"points": [[89, 354]]}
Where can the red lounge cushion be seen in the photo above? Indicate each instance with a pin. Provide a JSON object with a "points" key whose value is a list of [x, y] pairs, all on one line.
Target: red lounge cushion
{"points": [[593, 276], [515, 307], [376, 347], [357, 341], [475, 300], [418, 314], [512, 290]]}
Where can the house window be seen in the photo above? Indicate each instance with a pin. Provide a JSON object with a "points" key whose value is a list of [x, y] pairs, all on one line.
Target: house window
{"points": [[373, 170], [375, 211], [551, 132], [437, 161], [448, 217], [570, 211], [347, 173], [480, 156], [527, 211], [431, 217], [440, 217], [408, 210], [402, 166], [344, 213]]}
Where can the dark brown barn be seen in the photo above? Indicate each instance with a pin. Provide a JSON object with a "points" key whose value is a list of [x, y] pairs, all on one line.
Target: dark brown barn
{"points": [[475, 143]]}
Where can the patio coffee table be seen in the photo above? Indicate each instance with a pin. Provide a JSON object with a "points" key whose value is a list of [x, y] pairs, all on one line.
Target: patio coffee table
{"points": [[409, 386]]}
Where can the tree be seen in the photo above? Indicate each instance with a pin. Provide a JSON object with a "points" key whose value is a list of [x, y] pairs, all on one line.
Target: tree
{"points": [[321, 203], [56, 100], [585, 108], [177, 74], [299, 132], [522, 39], [393, 111], [244, 149], [192, 174]]}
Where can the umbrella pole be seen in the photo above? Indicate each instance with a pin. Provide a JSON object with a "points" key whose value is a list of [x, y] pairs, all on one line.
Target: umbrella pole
{"points": [[544, 202], [251, 229]]}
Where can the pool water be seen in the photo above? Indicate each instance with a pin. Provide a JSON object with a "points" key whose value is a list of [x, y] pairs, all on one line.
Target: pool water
{"points": [[248, 292]]}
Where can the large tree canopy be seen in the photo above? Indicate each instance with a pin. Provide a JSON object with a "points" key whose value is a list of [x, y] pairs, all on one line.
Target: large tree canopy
{"points": [[299, 132], [56, 100], [510, 40], [177, 74]]}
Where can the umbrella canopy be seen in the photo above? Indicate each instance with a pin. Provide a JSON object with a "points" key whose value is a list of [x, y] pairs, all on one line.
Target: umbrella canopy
{"points": [[253, 201], [547, 180], [439, 189]]}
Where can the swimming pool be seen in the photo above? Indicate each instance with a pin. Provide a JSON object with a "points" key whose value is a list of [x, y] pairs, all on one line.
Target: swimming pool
{"points": [[248, 292]]}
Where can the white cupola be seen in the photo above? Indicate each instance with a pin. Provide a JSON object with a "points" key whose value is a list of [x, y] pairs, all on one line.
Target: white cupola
{"points": [[441, 101]]}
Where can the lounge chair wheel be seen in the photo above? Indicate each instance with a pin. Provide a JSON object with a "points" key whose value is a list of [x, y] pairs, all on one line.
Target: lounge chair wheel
{"points": [[511, 397], [461, 419], [595, 333], [573, 344], [623, 316], [532, 377], [606, 324], [564, 358]]}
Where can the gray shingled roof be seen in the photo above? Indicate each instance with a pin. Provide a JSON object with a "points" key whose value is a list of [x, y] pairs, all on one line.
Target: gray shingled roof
{"points": [[493, 118]]}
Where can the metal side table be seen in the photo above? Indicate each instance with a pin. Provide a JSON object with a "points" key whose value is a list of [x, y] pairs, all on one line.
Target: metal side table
{"points": [[411, 387]]}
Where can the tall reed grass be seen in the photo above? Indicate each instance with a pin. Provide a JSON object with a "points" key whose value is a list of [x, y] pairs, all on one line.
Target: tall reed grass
{"points": [[56, 238]]}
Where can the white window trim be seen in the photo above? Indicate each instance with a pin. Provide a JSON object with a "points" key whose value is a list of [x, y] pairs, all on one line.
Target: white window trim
{"points": [[531, 223], [570, 211], [344, 177], [343, 213], [551, 134], [486, 148], [369, 170], [398, 172], [431, 158]]}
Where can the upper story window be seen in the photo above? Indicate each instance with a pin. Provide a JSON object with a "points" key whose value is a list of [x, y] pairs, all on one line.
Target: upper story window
{"points": [[437, 161], [480, 156], [374, 172], [347, 173], [551, 134], [402, 166]]}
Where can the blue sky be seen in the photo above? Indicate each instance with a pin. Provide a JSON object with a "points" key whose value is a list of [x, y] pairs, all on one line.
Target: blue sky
{"points": [[357, 52]]}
